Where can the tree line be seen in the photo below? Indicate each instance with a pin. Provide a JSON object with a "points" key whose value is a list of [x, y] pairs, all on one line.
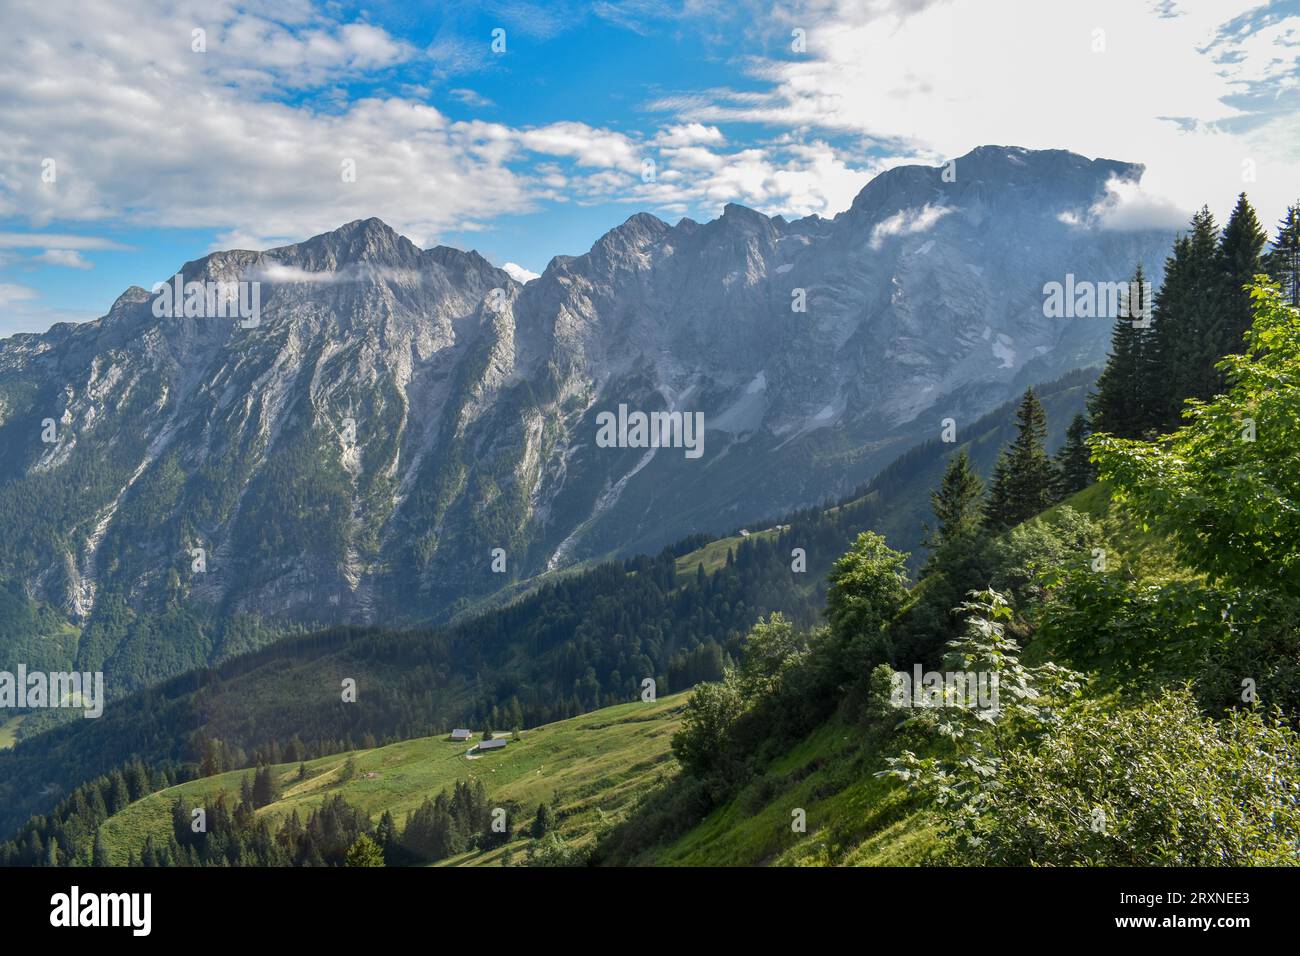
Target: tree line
{"points": [[1167, 351]]}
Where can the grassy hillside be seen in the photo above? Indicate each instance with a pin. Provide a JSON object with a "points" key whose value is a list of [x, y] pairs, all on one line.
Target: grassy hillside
{"points": [[852, 817], [9, 731], [1147, 554], [598, 762], [714, 554], [593, 768]]}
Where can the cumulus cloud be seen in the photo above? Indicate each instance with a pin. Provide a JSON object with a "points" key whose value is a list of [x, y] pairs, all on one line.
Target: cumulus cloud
{"points": [[1127, 207], [256, 138], [777, 177], [519, 273], [149, 133], [689, 134], [589, 146]]}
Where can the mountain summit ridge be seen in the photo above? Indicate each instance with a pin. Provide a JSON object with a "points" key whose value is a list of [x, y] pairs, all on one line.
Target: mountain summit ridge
{"points": [[397, 413]]}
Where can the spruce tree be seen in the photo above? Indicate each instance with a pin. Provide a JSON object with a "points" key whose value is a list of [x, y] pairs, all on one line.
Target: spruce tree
{"points": [[957, 502], [386, 835], [99, 855], [541, 822], [1186, 341], [1072, 460], [364, 852], [998, 506], [119, 798], [181, 821], [1240, 259], [1162, 351], [1123, 402], [1283, 260], [266, 786], [1025, 481]]}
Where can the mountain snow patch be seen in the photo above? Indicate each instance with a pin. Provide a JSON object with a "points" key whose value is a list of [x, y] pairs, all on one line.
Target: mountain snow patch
{"points": [[1004, 350]]}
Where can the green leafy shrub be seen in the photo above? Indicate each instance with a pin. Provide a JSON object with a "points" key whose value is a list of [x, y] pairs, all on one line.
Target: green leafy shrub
{"points": [[1155, 785]]}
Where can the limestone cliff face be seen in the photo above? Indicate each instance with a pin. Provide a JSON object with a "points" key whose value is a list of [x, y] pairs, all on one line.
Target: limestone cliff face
{"points": [[397, 413]]}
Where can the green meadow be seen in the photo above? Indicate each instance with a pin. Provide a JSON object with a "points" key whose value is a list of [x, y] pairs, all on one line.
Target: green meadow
{"points": [[583, 767]]}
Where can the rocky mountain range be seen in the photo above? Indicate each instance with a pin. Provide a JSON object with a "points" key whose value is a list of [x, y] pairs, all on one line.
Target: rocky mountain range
{"points": [[400, 432]]}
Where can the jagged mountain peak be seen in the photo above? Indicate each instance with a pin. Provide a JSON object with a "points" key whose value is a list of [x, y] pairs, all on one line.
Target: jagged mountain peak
{"points": [[636, 230], [624, 246], [134, 295], [736, 217], [810, 348], [369, 241]]}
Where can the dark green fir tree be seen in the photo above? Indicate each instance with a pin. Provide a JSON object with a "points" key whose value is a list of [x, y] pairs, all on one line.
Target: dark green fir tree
{"points": [[1072, 460], [1025, 481]]}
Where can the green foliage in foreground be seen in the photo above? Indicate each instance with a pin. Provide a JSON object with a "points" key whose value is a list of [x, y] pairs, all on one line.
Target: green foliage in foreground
{"points": [[1226, 485], [1157, 784]]}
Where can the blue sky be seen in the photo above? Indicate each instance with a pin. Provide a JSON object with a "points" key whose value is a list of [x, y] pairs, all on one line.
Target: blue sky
{"points": [[162, 152]]}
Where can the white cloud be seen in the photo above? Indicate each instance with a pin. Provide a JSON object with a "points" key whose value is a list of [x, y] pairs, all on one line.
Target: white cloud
{"points": [[38, 240], [144, 131], [589, 146], [519, 273], [906, 222], [689, 134], [1127, 207], [1176, 91], [68, 258], [780, 177], [11, 293], [279, 272], [149, 133], [471, 98]]}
